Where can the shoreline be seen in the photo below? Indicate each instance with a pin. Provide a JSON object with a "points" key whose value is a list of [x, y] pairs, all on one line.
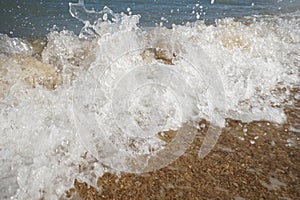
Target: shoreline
{"points": [[261, 163], [258, 65]]}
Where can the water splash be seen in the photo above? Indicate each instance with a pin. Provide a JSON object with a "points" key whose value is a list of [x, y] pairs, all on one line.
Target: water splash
{"points": [[256, 60]]}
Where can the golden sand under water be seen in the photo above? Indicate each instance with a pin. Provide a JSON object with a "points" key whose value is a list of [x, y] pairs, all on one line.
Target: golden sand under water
{"points": [[257, 160], [29, 70]]}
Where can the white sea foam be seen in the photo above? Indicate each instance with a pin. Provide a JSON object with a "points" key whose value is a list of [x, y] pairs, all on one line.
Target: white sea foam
{"points": [[40, 148]]}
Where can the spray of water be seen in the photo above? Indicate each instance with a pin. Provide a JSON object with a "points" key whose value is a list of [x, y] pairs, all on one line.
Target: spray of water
{"points": [[129, 98]]}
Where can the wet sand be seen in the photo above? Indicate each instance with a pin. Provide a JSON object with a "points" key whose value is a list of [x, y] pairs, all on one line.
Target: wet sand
{"points": [[257, 160]]}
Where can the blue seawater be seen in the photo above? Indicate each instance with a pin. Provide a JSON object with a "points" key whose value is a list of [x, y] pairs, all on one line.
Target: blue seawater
{"points": [[35, 18]]}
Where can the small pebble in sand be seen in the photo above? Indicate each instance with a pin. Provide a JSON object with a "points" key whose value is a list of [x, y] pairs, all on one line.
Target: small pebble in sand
{"points": [[273, 143]]}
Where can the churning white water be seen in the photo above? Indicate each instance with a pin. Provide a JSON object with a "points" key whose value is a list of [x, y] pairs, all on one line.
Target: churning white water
{"points": [[111, 89]]}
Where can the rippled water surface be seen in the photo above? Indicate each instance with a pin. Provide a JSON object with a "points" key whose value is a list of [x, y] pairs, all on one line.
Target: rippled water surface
{"points": [[27, 17]]}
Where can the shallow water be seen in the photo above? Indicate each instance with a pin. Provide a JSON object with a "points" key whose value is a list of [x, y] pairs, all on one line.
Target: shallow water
{"points": [[36, 18], [104, 94]]}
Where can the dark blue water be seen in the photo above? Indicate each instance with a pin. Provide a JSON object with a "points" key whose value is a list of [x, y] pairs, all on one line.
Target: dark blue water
{"points": [[36, 18]]}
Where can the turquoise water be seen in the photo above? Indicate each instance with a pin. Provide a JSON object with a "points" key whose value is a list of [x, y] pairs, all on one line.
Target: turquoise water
{"points": [[36, 18]]}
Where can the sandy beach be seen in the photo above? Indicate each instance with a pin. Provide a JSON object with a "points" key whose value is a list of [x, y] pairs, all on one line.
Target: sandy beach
{"points": [[257, 160], [118, 102]]}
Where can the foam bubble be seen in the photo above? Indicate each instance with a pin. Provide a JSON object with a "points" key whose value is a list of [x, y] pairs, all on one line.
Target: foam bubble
{"points": [[40, 149]]}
